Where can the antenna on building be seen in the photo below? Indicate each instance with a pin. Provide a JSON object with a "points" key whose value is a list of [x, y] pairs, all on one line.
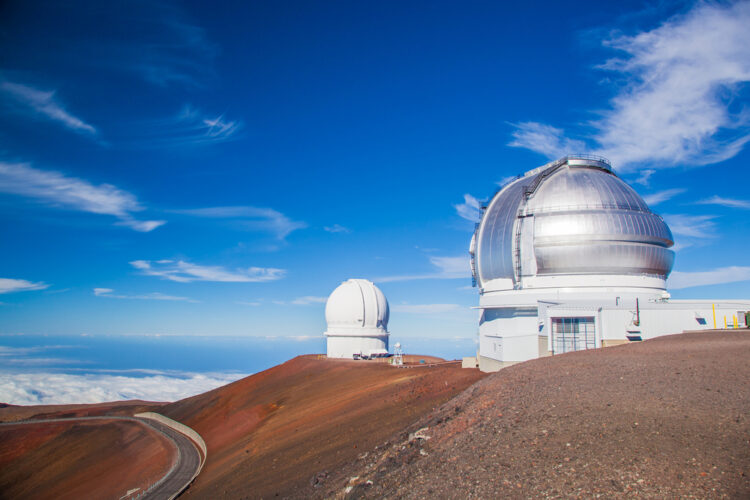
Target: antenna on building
{"points": [[398, 355]]}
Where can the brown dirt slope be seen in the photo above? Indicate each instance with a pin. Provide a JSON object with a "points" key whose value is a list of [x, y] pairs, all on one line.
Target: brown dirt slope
{"points": [[273, 432], [84, 459], [666, 418]]}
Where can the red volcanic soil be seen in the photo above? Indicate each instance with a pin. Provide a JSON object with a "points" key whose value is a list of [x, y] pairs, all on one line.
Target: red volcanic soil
{"points": [[665, 418], [83, 459], [283, 430]]}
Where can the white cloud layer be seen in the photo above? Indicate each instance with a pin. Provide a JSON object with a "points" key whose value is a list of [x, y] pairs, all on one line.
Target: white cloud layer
{"points": [[44, 103], [108, 292], [250, 218], [674, 106], [186, 272], [57, 388], [731, 274], [58, 190], [9, 285], [470, 209]]}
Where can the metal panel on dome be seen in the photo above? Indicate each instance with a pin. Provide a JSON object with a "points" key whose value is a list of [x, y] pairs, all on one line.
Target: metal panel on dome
{"points": [[572, 216], [601, 225], [495, 249], [369, 299], [525, 242], [384, 311], [581, 188], [604, 258]]}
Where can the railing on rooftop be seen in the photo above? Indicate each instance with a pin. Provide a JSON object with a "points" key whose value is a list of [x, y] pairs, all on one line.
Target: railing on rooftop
{"points": [[548, 169], [597, 158]]}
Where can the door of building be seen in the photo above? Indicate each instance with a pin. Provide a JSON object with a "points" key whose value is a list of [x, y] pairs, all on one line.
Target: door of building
{"points": [[573, 334]]}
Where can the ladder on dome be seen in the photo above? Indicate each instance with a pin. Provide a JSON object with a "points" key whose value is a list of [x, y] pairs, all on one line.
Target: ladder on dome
{"points": [[517, 250]]}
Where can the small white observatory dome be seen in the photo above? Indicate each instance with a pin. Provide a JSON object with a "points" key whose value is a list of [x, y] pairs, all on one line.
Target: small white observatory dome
{"points": [[357, 316]]}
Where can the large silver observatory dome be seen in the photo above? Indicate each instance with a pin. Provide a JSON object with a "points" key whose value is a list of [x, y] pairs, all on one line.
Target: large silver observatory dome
{"points": [[572, 217]]}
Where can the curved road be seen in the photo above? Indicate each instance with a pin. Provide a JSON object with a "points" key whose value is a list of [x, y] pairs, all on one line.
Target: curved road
{"points": [[177, 478], [188, 463]]}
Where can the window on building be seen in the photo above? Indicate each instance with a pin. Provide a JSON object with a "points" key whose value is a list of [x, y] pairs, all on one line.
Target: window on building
{"points": [[573, 334]]}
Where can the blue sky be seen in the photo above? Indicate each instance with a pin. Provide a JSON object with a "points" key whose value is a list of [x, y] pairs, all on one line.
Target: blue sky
{"points": [[180, 168]]}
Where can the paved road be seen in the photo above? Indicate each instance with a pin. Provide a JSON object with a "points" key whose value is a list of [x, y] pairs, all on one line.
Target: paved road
{"points": [[188, 463], [177, 478]]}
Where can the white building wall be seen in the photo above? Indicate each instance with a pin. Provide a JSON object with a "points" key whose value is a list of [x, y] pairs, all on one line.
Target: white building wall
{"points": [[509, 334], [678, 317], [509, 349], [656, 319], [346, 347]]}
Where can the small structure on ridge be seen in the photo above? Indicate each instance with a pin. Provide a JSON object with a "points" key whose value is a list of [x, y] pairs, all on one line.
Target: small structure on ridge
{"points": [[357, 316]]}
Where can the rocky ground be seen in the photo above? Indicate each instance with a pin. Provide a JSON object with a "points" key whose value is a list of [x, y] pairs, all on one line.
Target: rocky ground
{"points": [[665, 418]]}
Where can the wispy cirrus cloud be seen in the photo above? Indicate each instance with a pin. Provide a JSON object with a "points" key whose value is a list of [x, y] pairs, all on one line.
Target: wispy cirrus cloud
{"points": [[9, 285], [186, 272], [250, 218], [109, 293], [730, 274], [445, 268], [725, 202], [694, 226], [337, 228], [189, 127], [44, 104], [8, 351], [155, 42], [470, 209], [691, 230], [662, 196], [255, 303], [427, 308], [309, 299], [61, 191], [673, 108], [302, 301], [644, 179], [545, 139], [36, 356], [452, 266]]}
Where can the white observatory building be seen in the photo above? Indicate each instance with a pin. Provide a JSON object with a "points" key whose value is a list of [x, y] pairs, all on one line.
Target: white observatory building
{"points": [[357, 316], [569, 257]]}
